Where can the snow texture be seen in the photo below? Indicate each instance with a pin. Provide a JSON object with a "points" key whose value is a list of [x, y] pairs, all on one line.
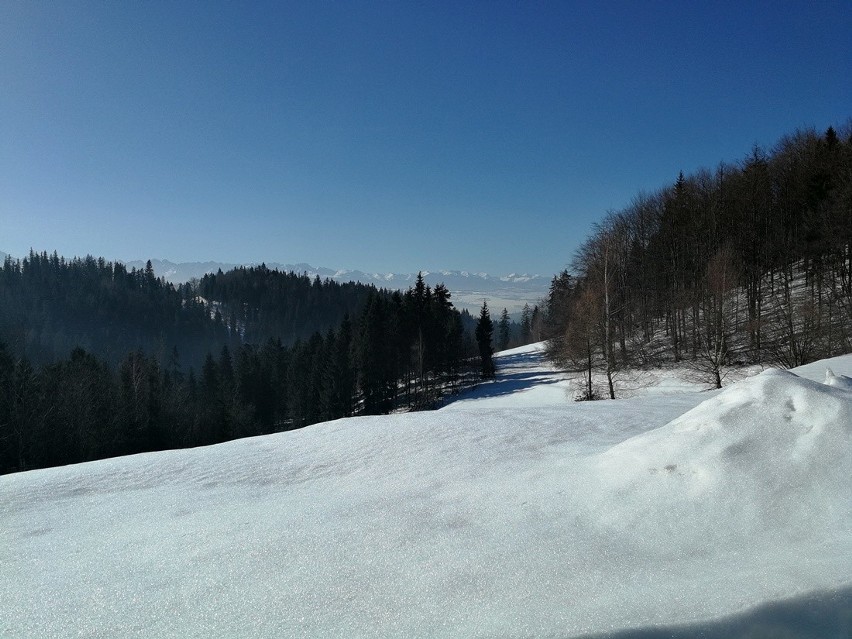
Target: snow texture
{"points": [[515, 512], [838, 381]]}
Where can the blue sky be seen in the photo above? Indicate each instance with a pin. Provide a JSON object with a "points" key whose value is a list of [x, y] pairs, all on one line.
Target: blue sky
{"points": [[386, 136]]}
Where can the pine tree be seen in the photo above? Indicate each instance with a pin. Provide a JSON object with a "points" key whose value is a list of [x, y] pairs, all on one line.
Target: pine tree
{"points": [[338, 376], [212, 411], [484, 330], [7, 397], [503, 333], [526, 323], [373, 362]]}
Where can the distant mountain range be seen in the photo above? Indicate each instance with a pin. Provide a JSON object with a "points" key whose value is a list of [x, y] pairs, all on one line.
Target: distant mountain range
{"points": [[468, 288]]}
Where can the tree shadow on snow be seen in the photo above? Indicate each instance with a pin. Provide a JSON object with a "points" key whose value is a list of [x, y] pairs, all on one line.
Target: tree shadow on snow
{"points": [[513, 376], [533, 358], [817, 615]]}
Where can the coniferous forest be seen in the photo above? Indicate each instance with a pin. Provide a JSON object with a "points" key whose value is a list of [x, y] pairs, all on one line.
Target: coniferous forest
{"points": [[98, 361], [748, 262]]}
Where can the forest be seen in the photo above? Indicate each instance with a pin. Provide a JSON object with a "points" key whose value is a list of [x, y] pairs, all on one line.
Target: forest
{"points": [[98, 361], [747, 262]]}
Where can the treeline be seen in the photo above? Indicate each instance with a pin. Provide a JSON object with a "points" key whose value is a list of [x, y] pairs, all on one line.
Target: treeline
{"points": [[262, 303], [402, 351], [50, 305], [747, 262]]}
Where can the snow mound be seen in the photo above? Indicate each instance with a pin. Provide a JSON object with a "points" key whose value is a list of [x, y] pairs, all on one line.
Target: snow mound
{"points": [[769, 454], [841, 364], [838, 381]]}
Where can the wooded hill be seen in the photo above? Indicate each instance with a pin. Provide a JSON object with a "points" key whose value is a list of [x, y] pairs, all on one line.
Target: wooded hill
{"points": [[748, 262], [51, 305], [264, 303], [126, 388]]}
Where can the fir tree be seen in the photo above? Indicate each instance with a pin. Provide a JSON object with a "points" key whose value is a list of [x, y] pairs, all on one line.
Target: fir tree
{"points": [[484, 330], [503, 331], [526, 324]]}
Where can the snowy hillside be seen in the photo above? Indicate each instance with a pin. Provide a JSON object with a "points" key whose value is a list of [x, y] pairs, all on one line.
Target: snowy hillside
{"points": [[513, 512]]}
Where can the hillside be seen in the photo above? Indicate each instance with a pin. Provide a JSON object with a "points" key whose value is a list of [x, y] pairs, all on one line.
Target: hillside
{"points": [[750, 262], [127, 385], [469, 288], [513, 512], [52, 305]]}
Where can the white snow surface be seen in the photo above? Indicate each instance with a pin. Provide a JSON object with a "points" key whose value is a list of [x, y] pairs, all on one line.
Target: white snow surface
{"points": [[838, 381], [515, 512]]}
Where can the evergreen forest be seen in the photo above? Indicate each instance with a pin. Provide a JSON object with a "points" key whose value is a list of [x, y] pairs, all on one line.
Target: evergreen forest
{"points": [[98, 361]]}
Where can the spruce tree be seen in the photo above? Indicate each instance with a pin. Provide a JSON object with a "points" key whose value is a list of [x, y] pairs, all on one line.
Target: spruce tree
{"points": [[374, 379], [484, 330], [503, 332], [526, 323]]}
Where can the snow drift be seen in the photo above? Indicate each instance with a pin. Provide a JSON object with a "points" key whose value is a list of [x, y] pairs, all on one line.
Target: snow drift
{"points": [[482, 519], [769, 454], [838, 381]]}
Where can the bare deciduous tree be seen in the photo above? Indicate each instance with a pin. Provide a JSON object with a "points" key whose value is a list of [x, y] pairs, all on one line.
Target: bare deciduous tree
{"points": [[718, 312]]}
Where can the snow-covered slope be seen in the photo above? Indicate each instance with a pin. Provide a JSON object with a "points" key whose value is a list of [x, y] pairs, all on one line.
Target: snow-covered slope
{"points": [[515, 513]]}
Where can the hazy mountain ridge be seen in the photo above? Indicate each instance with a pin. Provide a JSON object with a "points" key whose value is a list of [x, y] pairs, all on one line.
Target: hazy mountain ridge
{"points": [[468, 288], [184, 271]]}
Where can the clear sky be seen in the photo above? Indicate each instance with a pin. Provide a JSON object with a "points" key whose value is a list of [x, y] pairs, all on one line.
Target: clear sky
{"points": [[386, 136]]}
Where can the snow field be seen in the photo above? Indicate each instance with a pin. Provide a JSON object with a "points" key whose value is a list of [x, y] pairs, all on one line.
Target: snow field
{"points": [[514, 513]]}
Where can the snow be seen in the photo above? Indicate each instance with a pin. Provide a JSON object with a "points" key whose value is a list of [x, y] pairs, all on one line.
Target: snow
{"points": [[838, 381], [526, 379], [513, 512]]}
